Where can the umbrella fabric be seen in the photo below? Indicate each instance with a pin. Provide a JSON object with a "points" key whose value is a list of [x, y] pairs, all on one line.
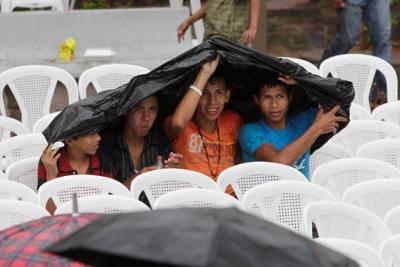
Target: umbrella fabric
{"points": [[24, 244], [194, 237], [241, 68]]}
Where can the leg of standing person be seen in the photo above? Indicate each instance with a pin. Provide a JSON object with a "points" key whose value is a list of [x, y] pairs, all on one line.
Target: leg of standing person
{"points": [[377, 19], [347, 30]]}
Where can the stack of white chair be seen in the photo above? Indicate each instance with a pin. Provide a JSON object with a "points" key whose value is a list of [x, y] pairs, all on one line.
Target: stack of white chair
{"points": [[33, 87], [360, 70], [108, 77], [60, 190], [196, 198], [340, 174], [342, 220], [387, 150], [159, 182], [245, 176], [11, 127], [326, 153], [283, 202]]}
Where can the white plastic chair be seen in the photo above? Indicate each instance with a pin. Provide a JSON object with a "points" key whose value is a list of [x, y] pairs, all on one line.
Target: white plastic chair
{"points": [[33, 87], [159, 182], [340, 174], [378, 196], [108, 77], [361, 253], [360, 69], [387, 150], [392, 220], [358, 112], [308, 66], [17, 191], [21, 147], [326, 153], [42, 123], [9, 125], [24, 171], [8, 6], [245, 176], [198, 25], [283, 201], [390, 251], [342, 220], [359, 132], [103, 204], [13, 212], [196, 198], [60, 190], [389, 112]]}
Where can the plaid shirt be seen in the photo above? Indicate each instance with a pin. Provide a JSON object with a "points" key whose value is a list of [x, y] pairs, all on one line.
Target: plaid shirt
{"points": [[115, 152], [64, 168], [228, 18]]}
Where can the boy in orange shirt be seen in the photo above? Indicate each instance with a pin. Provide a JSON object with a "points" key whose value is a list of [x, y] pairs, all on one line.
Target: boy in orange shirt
{"points": [[201, 130]]}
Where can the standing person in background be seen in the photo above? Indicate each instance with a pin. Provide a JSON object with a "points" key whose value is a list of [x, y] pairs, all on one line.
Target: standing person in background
{"points": [[234, 19], [376, 15]]}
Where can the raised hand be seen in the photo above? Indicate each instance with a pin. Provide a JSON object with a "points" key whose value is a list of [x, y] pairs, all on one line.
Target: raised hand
{"points": [[49, 159], [328, 122], [173, 161]]}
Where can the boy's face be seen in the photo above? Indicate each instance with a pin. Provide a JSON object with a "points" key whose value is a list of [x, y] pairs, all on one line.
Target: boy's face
{"points": [[274, 103], [88, 144], [140, 118], [213, 100]]}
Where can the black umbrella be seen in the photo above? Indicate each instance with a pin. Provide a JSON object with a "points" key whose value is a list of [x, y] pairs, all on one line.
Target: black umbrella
{"points": [[241, 67], [194, 237]]}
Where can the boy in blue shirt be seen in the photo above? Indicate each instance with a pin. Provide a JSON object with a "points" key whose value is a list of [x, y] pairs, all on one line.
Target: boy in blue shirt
{"points": [[279, 137]]}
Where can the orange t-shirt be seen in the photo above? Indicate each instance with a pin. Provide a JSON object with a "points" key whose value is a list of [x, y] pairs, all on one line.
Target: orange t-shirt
{"points": [[190, 145]]}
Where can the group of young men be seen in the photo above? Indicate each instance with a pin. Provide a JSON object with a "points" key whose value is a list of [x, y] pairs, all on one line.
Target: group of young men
{"points": [[200, 135]]}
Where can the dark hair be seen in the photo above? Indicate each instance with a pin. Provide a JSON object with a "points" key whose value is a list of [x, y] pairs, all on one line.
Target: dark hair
{"points": [[269, 81], [218, 76]]}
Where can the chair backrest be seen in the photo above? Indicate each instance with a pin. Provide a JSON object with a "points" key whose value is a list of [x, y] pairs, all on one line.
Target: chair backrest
{"points": [[340, 174], [33, 87], [21, 147], [13, 212], [283, 201], [24, 171], [390, 251], [378, 196], [359, 132], [326, 153], [60, 190], [158, 182], [245, 176], [389, 112], [387, 150], [308, 66], [196, 198], [342, 220], [392, 220], [360, 70], [358, 112], [361, 253], [8, 6], [108, 77], [17, 191], [10, 127], [43, 122], [103, 204]]}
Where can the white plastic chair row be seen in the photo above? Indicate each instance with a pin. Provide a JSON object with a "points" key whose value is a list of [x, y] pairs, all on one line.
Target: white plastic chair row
{"points": [[387, 150], [390, 251]]}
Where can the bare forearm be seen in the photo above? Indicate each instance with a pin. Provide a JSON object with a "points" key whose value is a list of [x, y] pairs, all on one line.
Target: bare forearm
{"points": [[254, 14], [290, 153], [199, 14]]}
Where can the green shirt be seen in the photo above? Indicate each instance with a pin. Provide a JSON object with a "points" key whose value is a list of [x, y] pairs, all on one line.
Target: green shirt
{"points": [[228, 18]]}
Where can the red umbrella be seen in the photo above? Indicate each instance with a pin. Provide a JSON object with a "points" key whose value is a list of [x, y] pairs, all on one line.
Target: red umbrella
{"points": [[24, 244]]}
